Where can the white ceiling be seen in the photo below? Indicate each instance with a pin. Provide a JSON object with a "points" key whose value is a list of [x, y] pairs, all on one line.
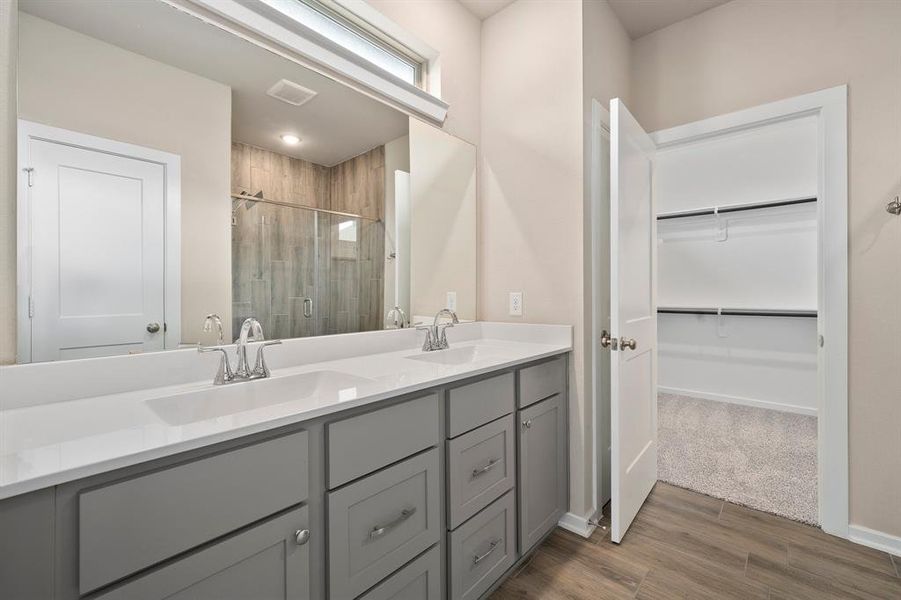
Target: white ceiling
{"points": [[641, 17], [339, 123], [485, 8]]}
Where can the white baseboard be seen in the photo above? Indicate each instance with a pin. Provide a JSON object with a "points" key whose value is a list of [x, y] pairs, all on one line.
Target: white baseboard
{"points": [[790, 408], [576, 524], [875, 539]]}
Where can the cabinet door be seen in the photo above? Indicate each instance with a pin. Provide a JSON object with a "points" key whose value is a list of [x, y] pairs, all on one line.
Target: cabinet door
{"points": [[542, 469], [266, 562]]}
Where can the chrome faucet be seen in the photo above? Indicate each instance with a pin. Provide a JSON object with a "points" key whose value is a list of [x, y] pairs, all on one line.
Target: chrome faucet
{"points": [[251, 331], [214, 320], [435, 338], [396, 319]]}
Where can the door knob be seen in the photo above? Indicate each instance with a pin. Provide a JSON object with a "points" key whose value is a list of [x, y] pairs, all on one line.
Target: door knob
{"points": [[605, 339], [153, 327], [302, 536], [627, 343], [608, 341]]}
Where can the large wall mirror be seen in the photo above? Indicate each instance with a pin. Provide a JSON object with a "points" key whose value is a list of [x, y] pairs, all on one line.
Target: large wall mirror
{"points": [[175, 170]]}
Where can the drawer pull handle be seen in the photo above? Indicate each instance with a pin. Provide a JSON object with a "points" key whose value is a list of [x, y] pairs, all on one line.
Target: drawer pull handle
{"points": [[302, 536], [480, 557], [378, 531], [486, 468]]}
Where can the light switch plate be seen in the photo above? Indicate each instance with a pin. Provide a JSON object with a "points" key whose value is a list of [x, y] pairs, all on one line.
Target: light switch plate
{"points": [[451, 301], [515, 304]]}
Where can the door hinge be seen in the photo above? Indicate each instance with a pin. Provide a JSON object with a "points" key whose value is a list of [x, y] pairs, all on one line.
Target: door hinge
{"points": [[30, 307], [30, 173]]}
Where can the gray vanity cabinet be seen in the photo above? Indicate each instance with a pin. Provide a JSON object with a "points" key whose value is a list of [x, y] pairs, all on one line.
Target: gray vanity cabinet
{"points": [[542, 469], [270, 561], [436, 495]]}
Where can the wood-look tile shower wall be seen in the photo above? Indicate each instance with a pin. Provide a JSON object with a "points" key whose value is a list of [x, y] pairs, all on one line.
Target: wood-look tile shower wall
{"points": [[285, 257]]}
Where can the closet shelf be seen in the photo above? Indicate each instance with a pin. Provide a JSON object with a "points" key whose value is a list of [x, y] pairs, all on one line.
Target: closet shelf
{"points": [[733, 208], [738, 312]]}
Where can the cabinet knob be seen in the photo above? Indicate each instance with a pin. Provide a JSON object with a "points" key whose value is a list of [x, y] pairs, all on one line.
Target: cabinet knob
{"points": [[153, 327], [302, 536], [527, 424], [627, 343]]}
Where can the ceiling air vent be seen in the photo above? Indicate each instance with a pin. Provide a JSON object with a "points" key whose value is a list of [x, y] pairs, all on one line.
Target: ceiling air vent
{"points": [[290, 92]]}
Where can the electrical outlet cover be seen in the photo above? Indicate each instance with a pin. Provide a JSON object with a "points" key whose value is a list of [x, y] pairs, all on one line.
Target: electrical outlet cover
{"points": [[515, 304], [451, 301]]}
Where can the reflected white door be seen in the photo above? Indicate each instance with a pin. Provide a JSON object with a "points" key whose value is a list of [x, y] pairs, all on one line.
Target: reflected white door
{"points": [[97, 252], [633, 319]]}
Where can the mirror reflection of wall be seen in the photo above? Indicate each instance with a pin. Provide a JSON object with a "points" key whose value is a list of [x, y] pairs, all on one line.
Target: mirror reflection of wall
{"points": [[171, 188]]}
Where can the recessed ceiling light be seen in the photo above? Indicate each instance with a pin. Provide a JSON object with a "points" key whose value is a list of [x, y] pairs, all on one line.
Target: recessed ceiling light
{"points": [[290, 139]]}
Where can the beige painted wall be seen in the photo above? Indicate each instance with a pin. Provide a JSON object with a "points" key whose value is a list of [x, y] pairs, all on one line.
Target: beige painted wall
{"points": [[453, 31], [8, 25], [531, 185], [442, 221], [75, 82], [745, 53]]}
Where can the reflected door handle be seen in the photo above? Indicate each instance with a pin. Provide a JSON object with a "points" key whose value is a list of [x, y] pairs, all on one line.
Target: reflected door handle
{"points": [[153, 327], [627, 343], [608, 341]]}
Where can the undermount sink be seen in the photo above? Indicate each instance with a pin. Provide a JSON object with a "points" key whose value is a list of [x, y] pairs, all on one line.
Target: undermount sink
{"points": [[220, 401], [456, 356]]}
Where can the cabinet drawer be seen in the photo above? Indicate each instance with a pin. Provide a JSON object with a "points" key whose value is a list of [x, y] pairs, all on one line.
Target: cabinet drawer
{"points": [[366, 443], [263, 563], [419, 580], [381, 522], [480, 467], [541, 381], [478, 403], [130, 525], [482, 549]]}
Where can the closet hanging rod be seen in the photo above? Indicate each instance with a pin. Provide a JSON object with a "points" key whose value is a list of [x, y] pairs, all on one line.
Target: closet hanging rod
{"points": [[733, 208], [738, 312], [265, 200]]}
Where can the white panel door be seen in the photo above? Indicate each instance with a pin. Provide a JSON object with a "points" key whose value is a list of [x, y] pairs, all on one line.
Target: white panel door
{"points": [[633, 319], [97, 252]]}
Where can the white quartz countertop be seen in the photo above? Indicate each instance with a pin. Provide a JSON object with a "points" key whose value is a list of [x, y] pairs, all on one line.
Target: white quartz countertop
{"points": [[47, 444]]}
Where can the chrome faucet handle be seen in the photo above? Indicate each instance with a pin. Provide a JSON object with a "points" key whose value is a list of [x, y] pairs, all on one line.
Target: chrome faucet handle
{"points": [[224, 374], [260, 369], [442, 341], [428, 345]]}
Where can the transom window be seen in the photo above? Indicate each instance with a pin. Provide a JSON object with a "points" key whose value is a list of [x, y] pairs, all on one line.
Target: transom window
{"points": [[338, 25]]}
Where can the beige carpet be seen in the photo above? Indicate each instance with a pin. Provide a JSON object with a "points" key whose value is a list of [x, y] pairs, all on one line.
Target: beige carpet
{"points": [[756, 457]]}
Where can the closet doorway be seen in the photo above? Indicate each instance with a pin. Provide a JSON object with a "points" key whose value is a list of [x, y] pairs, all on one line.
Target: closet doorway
{"points": [[751, 218]]}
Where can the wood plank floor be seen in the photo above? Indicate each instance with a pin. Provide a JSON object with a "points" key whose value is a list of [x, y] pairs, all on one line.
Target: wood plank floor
{"points": [[687, 545]]}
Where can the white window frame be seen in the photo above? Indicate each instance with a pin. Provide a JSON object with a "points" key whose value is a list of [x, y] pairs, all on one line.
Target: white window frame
{"points": [[254, 21], [347, 17]]}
